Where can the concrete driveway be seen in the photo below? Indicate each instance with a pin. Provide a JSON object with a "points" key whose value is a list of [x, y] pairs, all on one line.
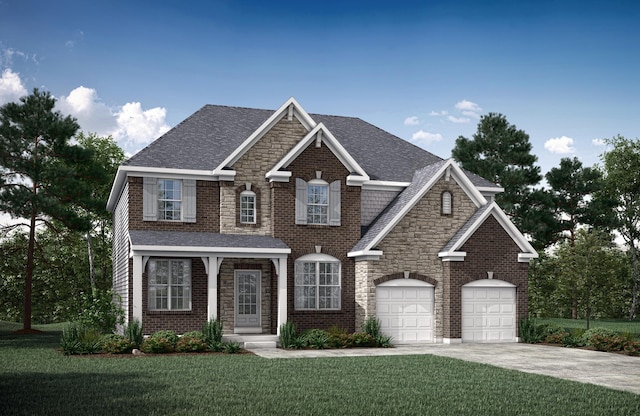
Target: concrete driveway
{"points": [[615, 371]]}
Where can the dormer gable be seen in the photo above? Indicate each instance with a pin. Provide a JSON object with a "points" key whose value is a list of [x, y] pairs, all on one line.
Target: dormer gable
{"points": [[319, 136], [290, 109]]}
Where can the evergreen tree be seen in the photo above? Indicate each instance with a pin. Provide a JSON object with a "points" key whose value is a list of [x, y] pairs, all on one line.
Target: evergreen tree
{"points": [[501, 153], [44, 177]]}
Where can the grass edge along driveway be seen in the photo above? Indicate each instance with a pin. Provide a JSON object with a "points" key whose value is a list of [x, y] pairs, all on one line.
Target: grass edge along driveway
{"points": [[37, 379]]}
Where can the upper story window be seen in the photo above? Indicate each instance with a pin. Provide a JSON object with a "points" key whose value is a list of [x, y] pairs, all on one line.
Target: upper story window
{"points": [[169, 284], [247, 207], [318, 202], [169, 199], [317, 282], [447, 203]]}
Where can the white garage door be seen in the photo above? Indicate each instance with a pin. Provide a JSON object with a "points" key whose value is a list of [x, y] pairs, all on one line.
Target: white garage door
{"points": [[489, 311], [405, 310]]}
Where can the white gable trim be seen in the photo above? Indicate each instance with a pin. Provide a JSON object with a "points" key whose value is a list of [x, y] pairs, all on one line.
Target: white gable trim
{"points": [[456, 173], [291, 108], [319, 133], [527, 251]]}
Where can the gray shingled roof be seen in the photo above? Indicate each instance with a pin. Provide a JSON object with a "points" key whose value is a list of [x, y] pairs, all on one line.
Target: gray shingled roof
{"points": [[465, 227], [207, 137], [420, 179], [195, 239]]}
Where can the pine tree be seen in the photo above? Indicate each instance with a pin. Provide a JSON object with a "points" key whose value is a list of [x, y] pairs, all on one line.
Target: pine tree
{"points": [[44, 178]]}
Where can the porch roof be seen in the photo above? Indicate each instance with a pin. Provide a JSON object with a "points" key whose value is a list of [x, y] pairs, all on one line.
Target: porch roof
{"points": [[205, 242]]}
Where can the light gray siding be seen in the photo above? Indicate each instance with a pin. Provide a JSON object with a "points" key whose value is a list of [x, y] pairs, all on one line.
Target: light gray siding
{"points": [[373, 202], [121, 251]]}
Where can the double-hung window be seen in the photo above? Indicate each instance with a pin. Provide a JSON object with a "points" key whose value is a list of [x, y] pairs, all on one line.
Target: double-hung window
{"points": [[317, 282], [169, 284], [317, 202], [247, 207], [169, 199]]}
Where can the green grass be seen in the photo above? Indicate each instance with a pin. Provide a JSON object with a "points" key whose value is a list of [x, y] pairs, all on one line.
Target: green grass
{"points": [[37, 379], [618, 325]]}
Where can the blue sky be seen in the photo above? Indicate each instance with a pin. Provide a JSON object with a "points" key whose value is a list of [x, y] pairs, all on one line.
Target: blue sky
{"points": [[565, 72]]}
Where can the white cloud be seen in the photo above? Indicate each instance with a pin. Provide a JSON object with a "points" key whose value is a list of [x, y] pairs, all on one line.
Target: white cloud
{"points": [[458, 119], [130, 125], [560, 145], [471, 114], [411, 121], [11, 87], [598, 142], [439, 113], [424, 137], [466, 105]]}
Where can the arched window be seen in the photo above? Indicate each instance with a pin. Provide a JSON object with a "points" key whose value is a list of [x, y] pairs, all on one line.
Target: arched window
{"points": [[317, 282], [247, 207], [447, 208]]}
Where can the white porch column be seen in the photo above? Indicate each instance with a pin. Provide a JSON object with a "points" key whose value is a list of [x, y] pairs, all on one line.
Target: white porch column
{"points": [[138, 267], [212, 291], [282, 292]]}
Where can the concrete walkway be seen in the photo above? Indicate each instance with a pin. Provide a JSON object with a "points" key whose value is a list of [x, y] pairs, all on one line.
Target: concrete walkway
{"points": [[615, 371]]}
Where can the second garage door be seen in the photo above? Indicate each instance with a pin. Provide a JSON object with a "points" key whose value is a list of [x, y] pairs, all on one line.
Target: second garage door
{"points": [[405, 310], [489, 311]]}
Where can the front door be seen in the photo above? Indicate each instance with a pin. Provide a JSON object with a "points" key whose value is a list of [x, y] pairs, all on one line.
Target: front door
{"points": [[247, 304]]}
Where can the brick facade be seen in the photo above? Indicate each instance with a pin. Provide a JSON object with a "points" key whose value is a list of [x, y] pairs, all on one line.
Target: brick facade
{"points": [[490, 248], [336, 241]]}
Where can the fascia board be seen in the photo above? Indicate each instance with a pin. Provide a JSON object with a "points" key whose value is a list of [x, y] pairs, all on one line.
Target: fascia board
{"points": [[375, 185], [223, 251], [490, 190], [116, 189], [465, 183], [347, 160], [304, 118]]}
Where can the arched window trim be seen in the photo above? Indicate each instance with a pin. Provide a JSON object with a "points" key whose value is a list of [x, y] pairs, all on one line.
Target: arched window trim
{"points": [[318, 282], [446, 203]]}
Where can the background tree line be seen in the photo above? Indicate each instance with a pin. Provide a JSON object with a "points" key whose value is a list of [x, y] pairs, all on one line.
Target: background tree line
{"points": [[57, 180], [573, 221]]}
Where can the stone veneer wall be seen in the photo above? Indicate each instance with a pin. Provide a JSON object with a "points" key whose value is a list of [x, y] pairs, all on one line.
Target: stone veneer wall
{"points": [[413, 245], [490, 248], [251, 168], [226, 291], [179, 321], [207, 209], [336, 241]]}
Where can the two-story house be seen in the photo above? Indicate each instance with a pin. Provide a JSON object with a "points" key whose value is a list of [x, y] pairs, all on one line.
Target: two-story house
{"points": [[259, 217]]}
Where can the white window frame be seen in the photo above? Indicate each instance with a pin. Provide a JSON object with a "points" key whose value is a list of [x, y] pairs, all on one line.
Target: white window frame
{"points": [[321, 218], [164, 201], [248, 215], [170, 286], [308, 286]]}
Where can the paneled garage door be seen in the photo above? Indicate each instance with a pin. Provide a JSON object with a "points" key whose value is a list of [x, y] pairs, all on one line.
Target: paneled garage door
{"points": [[489, 312], [405, 310]]}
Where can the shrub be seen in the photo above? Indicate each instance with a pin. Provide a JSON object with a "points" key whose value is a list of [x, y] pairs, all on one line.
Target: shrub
{"points": [[372, 327], [191, 342], [212, 332], [362, 339], [79, 339], [530, 333], [607, 343], [590, 333], [632, 348], [550, 329], [339, 340], [231, 347], [160, 342], [557, 338], [316, 338], [288, 335], [100, 312], [134, 332], [117, 344], [384, 341]]}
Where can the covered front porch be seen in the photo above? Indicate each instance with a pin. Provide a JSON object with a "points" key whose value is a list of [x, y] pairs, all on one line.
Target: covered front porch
{"points": [[239, 279]]}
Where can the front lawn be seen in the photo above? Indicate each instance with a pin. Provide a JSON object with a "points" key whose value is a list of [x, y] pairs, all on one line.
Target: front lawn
{"points": [[37, 379]]}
